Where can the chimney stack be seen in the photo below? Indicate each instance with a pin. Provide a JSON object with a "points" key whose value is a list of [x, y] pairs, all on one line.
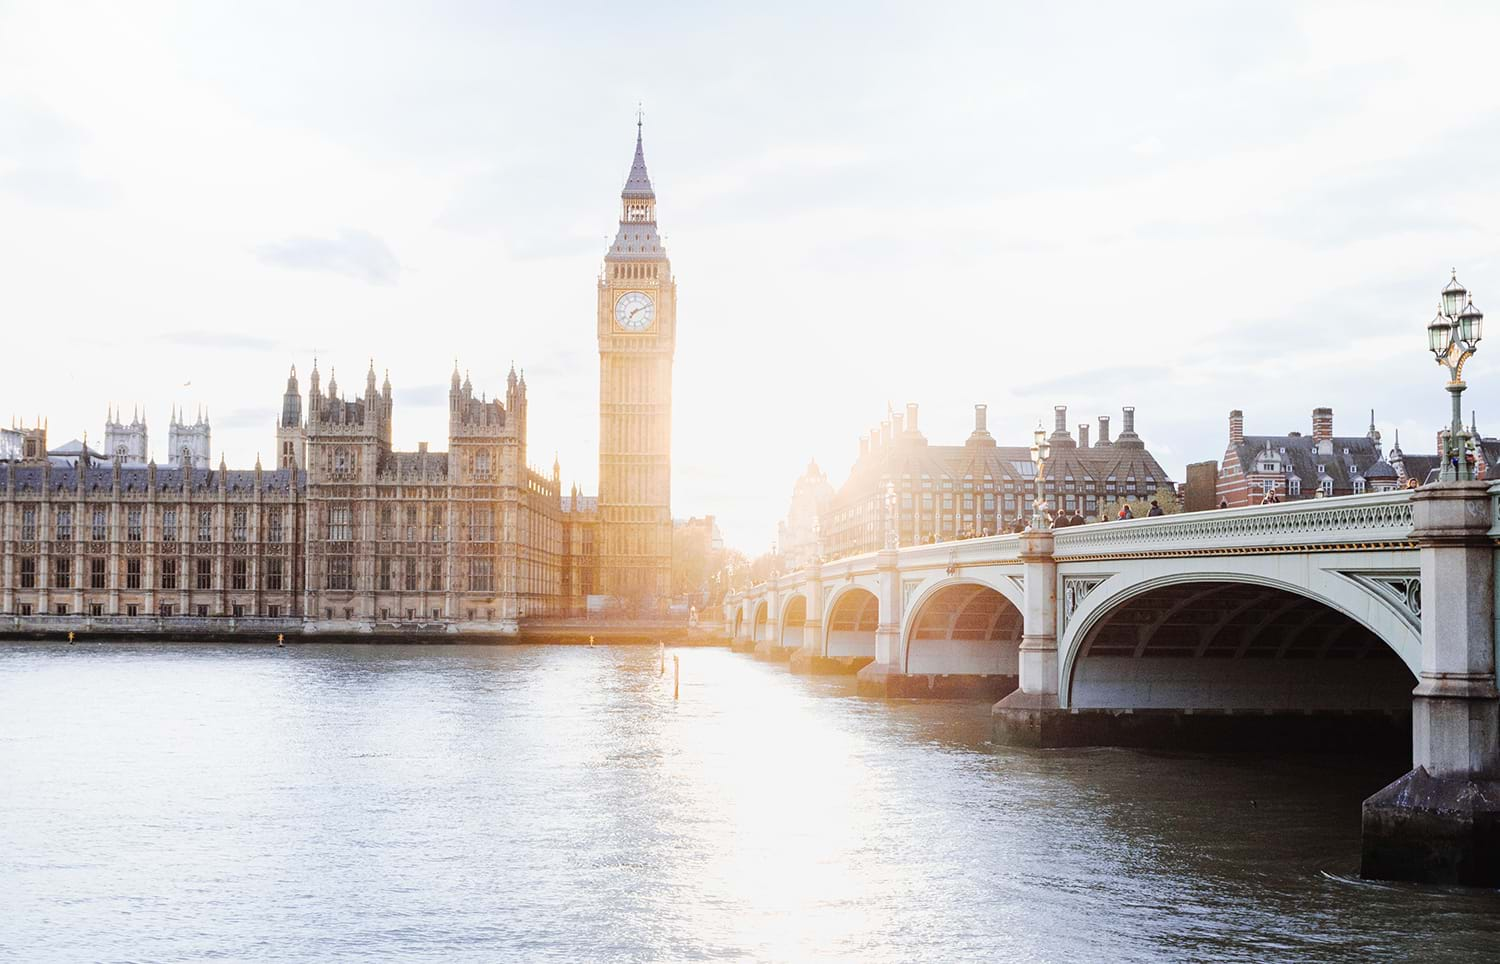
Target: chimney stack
{"points": [[980, 418], [1236, 427], [896, 424], [911, 416], [1129, 412], [864, 446], [1083, 435], [1322, 419], [1103, 430]]}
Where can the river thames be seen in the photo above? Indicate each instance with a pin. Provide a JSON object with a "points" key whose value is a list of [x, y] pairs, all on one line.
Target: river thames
{"points": [[172, 803]]}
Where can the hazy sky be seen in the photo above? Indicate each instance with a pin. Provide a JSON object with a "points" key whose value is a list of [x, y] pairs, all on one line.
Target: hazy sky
{"points": [[1186, 207]]}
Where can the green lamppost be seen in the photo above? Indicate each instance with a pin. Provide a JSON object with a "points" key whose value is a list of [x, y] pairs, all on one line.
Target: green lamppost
{"points": [[1452, 337], [1040, 450]]}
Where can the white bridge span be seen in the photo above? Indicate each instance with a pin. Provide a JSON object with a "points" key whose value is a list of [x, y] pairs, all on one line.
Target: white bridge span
{"points": [[1318, 622], [1310, 605]]}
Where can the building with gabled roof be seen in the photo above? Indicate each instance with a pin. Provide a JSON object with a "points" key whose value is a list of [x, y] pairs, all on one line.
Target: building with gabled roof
{"points": [[1321, 464], [977, 487]]}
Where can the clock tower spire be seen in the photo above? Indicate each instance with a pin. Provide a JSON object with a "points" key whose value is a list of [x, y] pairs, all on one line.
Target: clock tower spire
{"points": [[637, 331]]}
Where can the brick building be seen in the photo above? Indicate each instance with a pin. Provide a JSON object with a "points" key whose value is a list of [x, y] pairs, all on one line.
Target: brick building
{"points": [[1319, 464], [979, 486]]}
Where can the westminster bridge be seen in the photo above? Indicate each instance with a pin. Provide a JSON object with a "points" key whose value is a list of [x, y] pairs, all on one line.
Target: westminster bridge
{"points": [[1316, 623]]}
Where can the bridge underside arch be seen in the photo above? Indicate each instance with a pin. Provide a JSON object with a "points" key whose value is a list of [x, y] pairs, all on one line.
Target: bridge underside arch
{"points": [[851, 624], [739, 622], [759, 628], [1234, 646], [793, 616], [965, 629]]}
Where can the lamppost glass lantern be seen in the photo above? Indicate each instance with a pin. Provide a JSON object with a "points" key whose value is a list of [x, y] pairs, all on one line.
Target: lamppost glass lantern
{"points": [[1454, 296], [1470, 325], [1452, 337], [1439, 334]]}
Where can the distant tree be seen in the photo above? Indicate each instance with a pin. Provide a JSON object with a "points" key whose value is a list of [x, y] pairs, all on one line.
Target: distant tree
{"points": [[692, 560], [1166, 498], [763, 565]]}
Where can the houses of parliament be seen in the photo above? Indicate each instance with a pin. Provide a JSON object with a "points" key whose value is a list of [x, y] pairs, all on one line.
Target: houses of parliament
{"points": [[346, 534]]}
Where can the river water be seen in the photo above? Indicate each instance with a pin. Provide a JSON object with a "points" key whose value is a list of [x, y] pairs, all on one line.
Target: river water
{"points": [[176, 803]]}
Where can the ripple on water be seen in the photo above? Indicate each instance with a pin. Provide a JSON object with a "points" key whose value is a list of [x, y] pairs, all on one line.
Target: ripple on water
{"points": [[532, 803]]}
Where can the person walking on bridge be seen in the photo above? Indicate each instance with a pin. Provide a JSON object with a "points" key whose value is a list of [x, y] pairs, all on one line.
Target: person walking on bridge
{"points": [[1156, 509]]}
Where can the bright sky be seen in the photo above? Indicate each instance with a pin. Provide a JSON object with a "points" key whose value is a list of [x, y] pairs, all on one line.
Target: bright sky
{"points": [[1186, 207]]}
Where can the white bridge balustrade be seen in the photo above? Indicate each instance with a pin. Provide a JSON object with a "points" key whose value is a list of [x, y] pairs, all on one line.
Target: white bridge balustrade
{"points": [[1298, 625]]}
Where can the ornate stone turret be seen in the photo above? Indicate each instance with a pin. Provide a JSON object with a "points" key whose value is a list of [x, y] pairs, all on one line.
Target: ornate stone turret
{"points": [[291, 434], [189, 444], [125, 441]]}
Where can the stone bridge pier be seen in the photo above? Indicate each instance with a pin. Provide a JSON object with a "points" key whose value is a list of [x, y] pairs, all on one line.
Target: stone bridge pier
{"points": [[1307, 650], [1441, 821]]}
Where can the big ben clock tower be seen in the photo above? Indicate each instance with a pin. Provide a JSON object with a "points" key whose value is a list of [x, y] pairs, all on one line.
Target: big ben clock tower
{"points": [[637, 327]]}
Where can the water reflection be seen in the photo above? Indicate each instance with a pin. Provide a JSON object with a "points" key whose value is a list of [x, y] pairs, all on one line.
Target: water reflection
{"points": [[475, 803]]}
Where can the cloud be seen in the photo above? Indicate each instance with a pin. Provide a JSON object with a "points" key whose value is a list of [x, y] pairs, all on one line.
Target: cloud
{"points": [[57, 184], [423, 396], [354, 253], [224, 341], [247, 417], [1099, 380], [45, 152]]}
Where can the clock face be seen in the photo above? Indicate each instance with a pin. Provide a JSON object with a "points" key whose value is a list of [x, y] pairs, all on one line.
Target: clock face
{"points": [[634, 311]]}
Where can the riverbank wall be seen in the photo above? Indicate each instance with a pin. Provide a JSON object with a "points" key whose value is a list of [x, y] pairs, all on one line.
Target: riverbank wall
{"points": [[222, 629]]}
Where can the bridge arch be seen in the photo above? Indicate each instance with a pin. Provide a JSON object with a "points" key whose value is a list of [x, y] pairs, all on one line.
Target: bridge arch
{"points": [[962, 626], [793, 616], [853, 615], [739, 620], [1237, 641], [759, 630]]}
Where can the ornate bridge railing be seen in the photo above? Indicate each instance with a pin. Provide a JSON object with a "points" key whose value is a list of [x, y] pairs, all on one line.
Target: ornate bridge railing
{"points": [[1382, 521]]}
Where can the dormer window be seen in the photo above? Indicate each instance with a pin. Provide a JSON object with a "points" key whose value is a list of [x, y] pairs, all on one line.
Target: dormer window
{"points": [[1327, 487], [1321, 467], [1359, 486], [1294, 486]]}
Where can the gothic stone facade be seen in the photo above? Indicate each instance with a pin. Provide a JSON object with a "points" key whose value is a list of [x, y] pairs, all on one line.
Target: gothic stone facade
{"points": [[947, 491], [347, 534], [637, 331], [109, 541]]}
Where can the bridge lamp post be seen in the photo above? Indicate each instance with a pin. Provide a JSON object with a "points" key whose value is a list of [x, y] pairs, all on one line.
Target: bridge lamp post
{"points": [[1452, 337], [1040, 450]]}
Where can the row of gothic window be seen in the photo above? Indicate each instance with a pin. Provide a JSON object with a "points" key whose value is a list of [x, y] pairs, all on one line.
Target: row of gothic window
{"points": [[240, 578], [98, 529]]}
